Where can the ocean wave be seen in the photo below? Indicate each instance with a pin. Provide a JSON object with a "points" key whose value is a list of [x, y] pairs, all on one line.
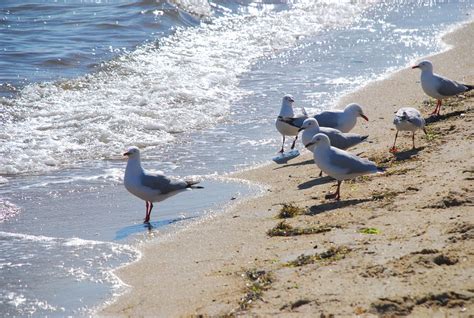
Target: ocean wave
{"points": [[182, 83]]}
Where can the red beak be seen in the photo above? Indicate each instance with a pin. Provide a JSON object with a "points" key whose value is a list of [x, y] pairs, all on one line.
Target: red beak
{"points": [[363, 116]]}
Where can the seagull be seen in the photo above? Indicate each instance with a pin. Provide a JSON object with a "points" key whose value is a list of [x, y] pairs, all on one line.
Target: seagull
{"points": [[343, 120], [339, 164], [151, 187], [408, 119], [437, 86], [287, 124], [338, 139]]}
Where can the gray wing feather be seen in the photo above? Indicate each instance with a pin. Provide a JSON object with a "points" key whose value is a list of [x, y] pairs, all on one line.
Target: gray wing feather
{"points": [[417, 121], [352, 163], [342, 140], [449, 87], [326, 119], [163, 183], [295, 121]]}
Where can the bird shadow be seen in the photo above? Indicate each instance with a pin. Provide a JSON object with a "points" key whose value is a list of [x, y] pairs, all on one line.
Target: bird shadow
{"points": [[315, 182], [434, 118], [302, 163], [332, 205], [407, 154], [144, 227]]}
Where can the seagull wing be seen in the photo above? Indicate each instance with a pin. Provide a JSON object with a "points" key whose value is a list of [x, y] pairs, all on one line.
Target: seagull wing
{"points": [[293, 121], [327, 119], [447, 87], [162, 183], [351, 164]]}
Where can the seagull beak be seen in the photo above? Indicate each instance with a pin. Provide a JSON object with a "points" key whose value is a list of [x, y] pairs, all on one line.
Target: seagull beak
{"points": [[309, 144], [126, 154], [292, 100], [415, 66], [363, 116], [302, 128]]}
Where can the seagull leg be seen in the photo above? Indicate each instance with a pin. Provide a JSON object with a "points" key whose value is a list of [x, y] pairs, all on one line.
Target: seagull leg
{"points": [[149, 206], [336, 195], [146, 219], [283, 145], [437, 109], [321, 173], [413, 140], [394, 149], [294, 142]]}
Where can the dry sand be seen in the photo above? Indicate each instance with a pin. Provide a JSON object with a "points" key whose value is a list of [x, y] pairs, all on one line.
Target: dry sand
{"points": [[420, 262]]}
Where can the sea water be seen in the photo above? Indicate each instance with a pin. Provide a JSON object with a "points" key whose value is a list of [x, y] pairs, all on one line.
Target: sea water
{"points": [[195, 84]]}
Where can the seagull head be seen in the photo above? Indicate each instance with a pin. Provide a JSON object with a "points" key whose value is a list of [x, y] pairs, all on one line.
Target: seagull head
{"points": [[288, 99], [355, 109], [309, 122], [132, 152], [319, 140], [424, 66]]}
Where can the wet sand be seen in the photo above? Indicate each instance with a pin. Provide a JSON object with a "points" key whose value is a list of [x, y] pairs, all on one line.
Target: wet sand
{"points": [[418, 259]]}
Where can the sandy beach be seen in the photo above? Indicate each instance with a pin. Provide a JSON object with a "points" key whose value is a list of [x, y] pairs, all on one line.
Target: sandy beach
{"points": [[396, 244]]}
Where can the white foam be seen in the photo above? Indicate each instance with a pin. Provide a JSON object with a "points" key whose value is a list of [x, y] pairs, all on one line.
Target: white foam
{"points": [[199, 7], [8, 210]]}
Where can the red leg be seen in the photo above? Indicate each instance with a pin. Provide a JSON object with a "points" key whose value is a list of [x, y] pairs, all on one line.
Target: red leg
{"points": [[149, 206], [147, 219], [336, 195], [394, 149], [437, 109]]}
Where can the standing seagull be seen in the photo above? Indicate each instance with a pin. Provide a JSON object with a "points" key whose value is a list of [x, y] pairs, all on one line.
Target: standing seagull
{"points": [[151, 187], [343, 120], [339, 164], [287, 124], [437, 86], [337, 138], [408, 119]]}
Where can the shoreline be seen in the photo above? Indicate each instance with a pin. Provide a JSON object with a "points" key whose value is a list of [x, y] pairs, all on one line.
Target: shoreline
{"points": [[205, 277]]}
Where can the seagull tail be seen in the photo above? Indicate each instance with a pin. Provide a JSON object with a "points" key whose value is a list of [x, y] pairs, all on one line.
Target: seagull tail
{"points": [[362, 138], [469, 87], [192, 184]]}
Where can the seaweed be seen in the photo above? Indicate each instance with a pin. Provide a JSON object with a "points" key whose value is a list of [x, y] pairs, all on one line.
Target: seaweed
{"points": [[258, 282], [290, 210], [330, 255], [285, 229]]}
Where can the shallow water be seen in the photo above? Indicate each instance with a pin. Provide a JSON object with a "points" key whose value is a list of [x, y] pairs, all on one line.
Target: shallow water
{"points": [[58, 251], [197, 84]]}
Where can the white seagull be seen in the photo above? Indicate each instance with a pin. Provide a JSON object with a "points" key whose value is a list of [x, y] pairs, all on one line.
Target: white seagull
{"points": [[407, 119], [343, 120], [287, 124], [339, 164], [437, 86], [151, 187], [337, 138]]}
